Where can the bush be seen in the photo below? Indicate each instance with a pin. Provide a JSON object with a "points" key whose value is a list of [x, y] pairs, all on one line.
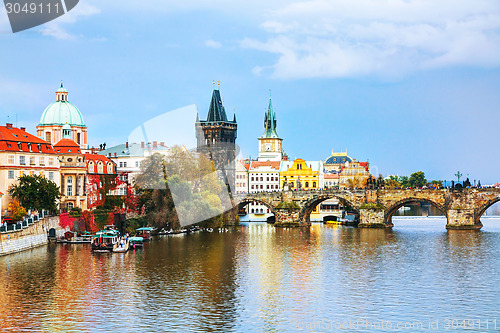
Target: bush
{"points": [[288, 205], [372, 205]]}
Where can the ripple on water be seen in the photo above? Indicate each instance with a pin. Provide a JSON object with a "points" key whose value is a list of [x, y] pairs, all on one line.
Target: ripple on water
{"points": [[258, 278]]}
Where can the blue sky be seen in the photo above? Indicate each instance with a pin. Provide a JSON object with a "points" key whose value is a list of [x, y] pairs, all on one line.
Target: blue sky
{"points": [[408, 85]]}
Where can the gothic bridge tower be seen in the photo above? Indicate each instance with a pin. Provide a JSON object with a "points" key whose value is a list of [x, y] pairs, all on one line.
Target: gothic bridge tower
{"points": [[216, 138]]}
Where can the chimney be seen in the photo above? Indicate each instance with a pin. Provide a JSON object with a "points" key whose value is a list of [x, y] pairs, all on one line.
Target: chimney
{"points": [[142, 144], [8, 125], [23, 129], [115, 154], [155, 144], [162, 144], [109, 154], [126, 144]]}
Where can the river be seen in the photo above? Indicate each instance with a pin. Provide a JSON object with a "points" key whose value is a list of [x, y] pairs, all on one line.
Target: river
{"points": [[257, 278]]}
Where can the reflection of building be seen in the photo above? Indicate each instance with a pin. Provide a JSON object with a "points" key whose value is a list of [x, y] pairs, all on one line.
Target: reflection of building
{"points": [[58, 114], [22, 153], [216, 138], [101, 171], [73, 171]]}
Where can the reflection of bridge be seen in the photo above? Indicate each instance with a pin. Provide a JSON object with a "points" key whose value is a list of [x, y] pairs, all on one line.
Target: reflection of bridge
{"points": [[462, 207]]}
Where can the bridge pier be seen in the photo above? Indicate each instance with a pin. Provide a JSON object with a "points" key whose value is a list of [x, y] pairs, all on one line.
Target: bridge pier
{"points": [[463, 219], [372, 218], [288, 217]]}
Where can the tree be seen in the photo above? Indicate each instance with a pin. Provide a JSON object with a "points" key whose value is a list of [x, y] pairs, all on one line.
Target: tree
{"points": [[417, 179], [436, 184], [18, 211], [36, 192]]}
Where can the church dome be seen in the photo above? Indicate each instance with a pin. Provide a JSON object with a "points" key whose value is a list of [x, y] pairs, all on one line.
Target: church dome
{"points": [[61, 111]]}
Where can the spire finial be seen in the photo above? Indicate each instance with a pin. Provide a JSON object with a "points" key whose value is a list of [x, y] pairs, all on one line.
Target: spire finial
{"points": [[61, 84], [213, 84], [269, 93], [218, 84]]}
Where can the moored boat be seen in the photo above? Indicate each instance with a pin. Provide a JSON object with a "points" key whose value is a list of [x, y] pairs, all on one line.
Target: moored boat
{"points": [[105, 241], [136, 242], [145, 233]]}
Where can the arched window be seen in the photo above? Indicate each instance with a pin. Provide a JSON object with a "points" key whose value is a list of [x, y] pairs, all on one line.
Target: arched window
{"points": [[252, 210], [307, 184], [314, 184]]}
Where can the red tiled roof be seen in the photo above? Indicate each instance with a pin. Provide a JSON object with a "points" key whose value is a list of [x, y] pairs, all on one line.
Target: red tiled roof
{"points": [[272, 164], [98, 159], [15, 139], [67, 146]]}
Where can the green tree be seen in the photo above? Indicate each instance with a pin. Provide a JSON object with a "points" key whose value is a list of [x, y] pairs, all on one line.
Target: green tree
{"points": [[36, 192], [417, 179]]}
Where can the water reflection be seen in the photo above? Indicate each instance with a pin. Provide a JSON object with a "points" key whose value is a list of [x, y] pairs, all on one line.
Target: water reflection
{"points": [[258, 278]]}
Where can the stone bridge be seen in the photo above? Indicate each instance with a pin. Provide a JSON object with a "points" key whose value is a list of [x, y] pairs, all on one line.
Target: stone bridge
{"points": [[462, 207]]}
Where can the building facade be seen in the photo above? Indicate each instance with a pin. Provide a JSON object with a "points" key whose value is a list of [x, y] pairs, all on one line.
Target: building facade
{"points": [[301, 175], [22, 153], [101, 178], [73, 172], [58, 114], [216, 138]]}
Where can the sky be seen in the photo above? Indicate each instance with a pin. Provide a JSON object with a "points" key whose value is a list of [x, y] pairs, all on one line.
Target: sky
{"points": [[408, 85]]}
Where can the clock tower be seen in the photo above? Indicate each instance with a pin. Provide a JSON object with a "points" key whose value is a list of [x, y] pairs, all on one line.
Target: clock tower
{"points": [[270, 148]]}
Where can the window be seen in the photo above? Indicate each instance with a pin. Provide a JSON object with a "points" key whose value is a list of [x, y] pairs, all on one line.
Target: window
{"points": [[137, 164], [70, 205], [314, 184], [99, 168], [51, 175], [10, 159], [22, 160], [252, 187], [48, 136], [261, 187], [41, 160], [78, 138], [261, 179], [51, 161], [110, 168], [11, 174], [307, 184], [252, 179]]}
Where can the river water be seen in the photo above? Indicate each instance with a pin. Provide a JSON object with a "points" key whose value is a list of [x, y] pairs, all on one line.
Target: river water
{"points": [[257, 278]]}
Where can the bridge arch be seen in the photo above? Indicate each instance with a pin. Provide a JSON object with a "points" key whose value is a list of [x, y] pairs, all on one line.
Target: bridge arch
{"points": [[245, 201], [308, 206], [481, 210], [395, 206]]}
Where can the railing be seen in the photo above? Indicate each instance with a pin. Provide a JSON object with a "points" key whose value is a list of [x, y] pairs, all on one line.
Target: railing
{"points": [[25, 223]]}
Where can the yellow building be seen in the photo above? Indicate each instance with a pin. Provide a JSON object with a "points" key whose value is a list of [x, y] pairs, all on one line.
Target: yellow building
{"points": [[73, 172], [301, 175]]}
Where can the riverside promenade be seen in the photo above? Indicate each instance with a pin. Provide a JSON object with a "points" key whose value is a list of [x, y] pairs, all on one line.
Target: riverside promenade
{"points": [[30, 236]]}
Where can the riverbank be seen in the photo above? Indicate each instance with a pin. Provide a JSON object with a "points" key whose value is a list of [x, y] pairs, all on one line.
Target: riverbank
{"points": [[30, 237]]}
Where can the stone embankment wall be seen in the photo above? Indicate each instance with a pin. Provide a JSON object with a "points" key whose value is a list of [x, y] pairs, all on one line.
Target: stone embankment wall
{"points": [[33, 236]]}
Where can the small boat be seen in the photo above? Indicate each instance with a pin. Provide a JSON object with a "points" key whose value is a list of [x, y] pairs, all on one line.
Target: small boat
{"points": [[136, 242], [122, 246], [145, 233], [105, 240]]}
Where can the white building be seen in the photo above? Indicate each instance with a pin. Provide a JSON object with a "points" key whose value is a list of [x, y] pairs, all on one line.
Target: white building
{"points": [[128, 158], [241, 176]]}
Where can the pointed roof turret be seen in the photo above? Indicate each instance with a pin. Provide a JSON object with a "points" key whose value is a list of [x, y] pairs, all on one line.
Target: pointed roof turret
{"points": [[234, 118], [270, 122], [216, 112]]}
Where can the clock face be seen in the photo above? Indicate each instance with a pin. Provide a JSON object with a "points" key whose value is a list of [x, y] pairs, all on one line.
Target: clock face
{"points": [[268, 146]]}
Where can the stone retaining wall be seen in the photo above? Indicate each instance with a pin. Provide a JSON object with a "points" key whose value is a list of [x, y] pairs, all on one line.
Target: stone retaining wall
{"points": [[28, 238]]}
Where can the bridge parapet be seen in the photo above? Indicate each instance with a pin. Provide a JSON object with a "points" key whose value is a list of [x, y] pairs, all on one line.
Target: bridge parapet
{"points": [[463, 208]]}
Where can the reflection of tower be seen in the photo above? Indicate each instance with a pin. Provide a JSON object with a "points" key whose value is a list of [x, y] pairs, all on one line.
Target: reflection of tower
{"points": [[216, 138]]}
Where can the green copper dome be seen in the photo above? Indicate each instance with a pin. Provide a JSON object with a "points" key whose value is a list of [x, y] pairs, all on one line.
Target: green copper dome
{"points": [[62, 112]]}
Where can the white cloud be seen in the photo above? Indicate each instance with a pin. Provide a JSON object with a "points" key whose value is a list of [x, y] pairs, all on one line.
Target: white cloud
{"points": [[344, 38], [56, 28], [213, 44]]}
